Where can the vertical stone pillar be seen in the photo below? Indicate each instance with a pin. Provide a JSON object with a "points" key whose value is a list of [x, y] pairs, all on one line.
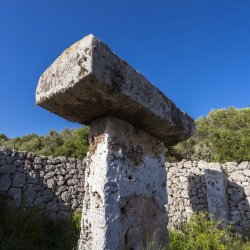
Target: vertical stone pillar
{"points": [[216, 194], [125, 188], [130, 121]]}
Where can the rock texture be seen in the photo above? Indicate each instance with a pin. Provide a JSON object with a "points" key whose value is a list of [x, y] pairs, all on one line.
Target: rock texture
{"points": [[216, 193], [130, 120], [88, 81], [125, 188], [223, 191], [55, 185], [62, 186]]}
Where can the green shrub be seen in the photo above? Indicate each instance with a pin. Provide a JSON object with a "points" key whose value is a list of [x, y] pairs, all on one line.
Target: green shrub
{"points": [[28, 229], [199, 233], [223, 135], [70, 143]]}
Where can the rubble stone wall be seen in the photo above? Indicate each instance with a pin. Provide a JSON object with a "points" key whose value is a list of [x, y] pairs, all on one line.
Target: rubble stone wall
{"points": [[187, 191], [56, 185]]}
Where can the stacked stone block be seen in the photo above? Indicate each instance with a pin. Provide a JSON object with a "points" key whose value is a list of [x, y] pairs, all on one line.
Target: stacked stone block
{"points": [[238, 191], [187, 191], [55, 185]]}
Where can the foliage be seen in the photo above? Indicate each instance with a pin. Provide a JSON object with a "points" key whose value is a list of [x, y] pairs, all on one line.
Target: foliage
{"points": [[3, 137], [22, 229], [28, 229], [199, 233], [70, 142], [224, 135]]}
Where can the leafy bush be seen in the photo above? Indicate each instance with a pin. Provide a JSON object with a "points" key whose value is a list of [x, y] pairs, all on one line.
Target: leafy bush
{"points": [[199, 233], [70, 143], [28, 229], [224, 135]]}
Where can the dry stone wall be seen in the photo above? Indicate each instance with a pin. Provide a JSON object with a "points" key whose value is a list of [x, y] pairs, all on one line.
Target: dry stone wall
{"points": [[189, 190], [56, 186]]}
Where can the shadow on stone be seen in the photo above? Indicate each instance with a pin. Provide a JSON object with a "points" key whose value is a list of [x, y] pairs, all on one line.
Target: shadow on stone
{"points": [[53, 185], [197, 192], [222, 199]]}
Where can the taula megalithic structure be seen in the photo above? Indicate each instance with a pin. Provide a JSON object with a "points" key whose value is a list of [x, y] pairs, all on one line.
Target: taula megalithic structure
{"points": [[130, 123]]}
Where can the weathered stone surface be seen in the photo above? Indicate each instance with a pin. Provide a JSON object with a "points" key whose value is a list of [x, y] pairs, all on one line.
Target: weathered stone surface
{"points": [[125, 191], [51, 183], [29, 186], [47, 195], [246, 172], [52, 206], [183, 196], [88, 81], [16, 194], [29, 195], [7, 169], [5, 182], [18, 180], [216, 194], [32, 177], [2, 161]]}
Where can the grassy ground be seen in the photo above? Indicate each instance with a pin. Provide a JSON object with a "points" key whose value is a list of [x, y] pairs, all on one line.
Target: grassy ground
{"points": [[202, 234], [22, 229]]}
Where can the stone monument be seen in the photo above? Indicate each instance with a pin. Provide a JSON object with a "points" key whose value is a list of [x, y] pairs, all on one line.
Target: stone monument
{"points": [[217, 194], [130, 123]]}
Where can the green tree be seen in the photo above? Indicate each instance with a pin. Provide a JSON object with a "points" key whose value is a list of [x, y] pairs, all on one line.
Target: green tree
{"points": [[3, 137], [70, 142], [224, 135]]}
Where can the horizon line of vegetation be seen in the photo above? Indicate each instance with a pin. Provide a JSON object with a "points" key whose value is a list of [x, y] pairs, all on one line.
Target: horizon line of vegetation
{"points": [[223, 135]]}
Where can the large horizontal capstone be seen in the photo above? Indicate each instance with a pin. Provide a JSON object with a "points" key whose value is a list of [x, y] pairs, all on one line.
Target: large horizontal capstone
{"points": [[88, 81]]}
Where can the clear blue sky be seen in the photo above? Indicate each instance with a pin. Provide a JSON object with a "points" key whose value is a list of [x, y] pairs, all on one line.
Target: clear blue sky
{"points": [[196, 52]]}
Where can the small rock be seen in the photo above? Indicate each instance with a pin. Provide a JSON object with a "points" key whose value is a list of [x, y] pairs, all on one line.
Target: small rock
{"points": [[2, 161], [72, 182], [16, 194], [51, 183], [38, 160], [52, 206], [48, 195], [9, 159], [65, 196], [32, 177], [19, 179], [5, 182], [29, 195], [246, 172], [7, 169]]}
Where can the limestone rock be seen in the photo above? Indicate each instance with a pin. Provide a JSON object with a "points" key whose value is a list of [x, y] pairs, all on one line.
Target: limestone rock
{"points": [[16, 194], [52, 206], [32, 177], [7, 169], [5, 182], [18, 179], [246, 172], [29, 195], [216, 194], [48, 195], [89, 73]]}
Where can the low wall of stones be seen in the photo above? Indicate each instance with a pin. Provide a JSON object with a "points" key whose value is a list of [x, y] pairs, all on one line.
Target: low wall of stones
{"points": [[188, 191], [56, 186]]}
